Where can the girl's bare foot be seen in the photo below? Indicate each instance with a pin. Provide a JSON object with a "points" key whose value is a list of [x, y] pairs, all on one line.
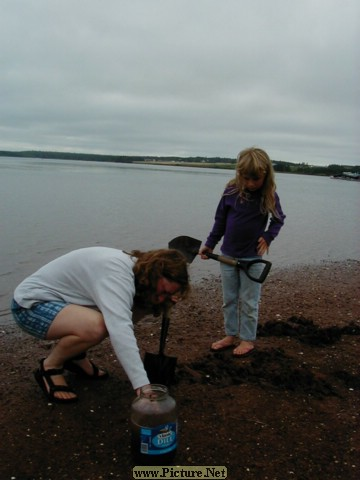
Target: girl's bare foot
{"points": [[243, 349], [223, 344]]}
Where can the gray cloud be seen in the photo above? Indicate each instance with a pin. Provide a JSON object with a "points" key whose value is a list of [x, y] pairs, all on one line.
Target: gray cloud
{"points": [[182, 77]]}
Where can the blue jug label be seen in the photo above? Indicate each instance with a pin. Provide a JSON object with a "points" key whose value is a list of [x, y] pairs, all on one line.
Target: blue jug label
{"points": [[158, 440]]}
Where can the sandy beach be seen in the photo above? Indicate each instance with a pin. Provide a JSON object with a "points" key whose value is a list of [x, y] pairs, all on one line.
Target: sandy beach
{"points": [[290, 410]]}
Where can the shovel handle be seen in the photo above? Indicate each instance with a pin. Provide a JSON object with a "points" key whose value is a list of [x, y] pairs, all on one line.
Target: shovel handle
{"points": [[163, 334], [244, 264], [222, 259]]}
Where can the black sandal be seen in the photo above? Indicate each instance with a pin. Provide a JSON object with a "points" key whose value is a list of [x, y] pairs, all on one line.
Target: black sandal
{"points": [[74, 368], [43, 378]]}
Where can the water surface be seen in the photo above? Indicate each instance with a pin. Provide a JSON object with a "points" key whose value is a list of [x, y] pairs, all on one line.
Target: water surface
{"points": [[49, 207]]}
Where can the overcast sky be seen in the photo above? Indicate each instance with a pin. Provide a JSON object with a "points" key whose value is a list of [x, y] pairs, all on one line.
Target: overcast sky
{"points": [[182, 77]]}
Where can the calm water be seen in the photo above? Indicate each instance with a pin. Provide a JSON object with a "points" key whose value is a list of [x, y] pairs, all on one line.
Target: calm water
{"points": [[50, 207]]}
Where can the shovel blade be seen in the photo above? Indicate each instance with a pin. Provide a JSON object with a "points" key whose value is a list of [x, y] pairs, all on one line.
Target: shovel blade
{"points": [[188, 246], [160, 368]]}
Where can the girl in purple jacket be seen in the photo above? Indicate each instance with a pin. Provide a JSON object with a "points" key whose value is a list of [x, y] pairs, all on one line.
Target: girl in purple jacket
{"points": [[242, 219]]}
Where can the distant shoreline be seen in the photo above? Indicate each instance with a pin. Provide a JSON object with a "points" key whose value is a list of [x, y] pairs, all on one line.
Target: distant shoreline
{"points": [[198, 162]]}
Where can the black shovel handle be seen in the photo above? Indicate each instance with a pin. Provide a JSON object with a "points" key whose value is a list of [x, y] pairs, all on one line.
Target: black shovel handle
{"points": [[244, 264], [189, 247], [163, 334]]}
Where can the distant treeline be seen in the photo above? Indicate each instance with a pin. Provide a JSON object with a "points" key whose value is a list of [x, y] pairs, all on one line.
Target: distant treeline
{"points": [[213, 162]]}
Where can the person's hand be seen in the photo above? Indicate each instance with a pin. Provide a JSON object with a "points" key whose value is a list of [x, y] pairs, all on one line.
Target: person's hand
{"points": [[203, 250], [138, 390], [263, 247]]}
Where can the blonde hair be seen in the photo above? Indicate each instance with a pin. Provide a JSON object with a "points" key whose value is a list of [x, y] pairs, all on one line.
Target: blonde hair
{"points": [[255, 162]]}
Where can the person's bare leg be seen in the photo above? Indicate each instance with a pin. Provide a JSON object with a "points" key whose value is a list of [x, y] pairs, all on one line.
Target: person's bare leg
{"points": [[77, 328]]}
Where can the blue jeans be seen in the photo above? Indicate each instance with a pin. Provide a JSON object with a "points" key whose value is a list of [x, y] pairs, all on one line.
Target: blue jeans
{"points": [[241, 298]]}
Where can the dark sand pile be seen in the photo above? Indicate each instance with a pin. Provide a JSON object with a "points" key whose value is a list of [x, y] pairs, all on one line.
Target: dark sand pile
{"points": [[291, 410]]}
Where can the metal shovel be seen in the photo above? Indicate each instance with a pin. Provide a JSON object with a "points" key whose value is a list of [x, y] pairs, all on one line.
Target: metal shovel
{"points": [[160, 368], [257, 270]]}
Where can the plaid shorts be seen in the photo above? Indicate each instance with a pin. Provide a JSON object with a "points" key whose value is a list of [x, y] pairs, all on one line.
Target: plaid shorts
{"points": [[37, 319]]}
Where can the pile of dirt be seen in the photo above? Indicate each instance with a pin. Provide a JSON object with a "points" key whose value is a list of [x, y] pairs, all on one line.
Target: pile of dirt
{"points": [[290, 410]]}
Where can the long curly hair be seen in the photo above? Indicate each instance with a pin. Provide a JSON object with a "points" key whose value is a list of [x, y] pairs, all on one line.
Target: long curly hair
{"points": [[151, 266], [255, 162]]}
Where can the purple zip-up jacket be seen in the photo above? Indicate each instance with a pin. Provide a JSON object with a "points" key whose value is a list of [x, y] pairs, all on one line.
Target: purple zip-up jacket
{"points": [[241, 223]]}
